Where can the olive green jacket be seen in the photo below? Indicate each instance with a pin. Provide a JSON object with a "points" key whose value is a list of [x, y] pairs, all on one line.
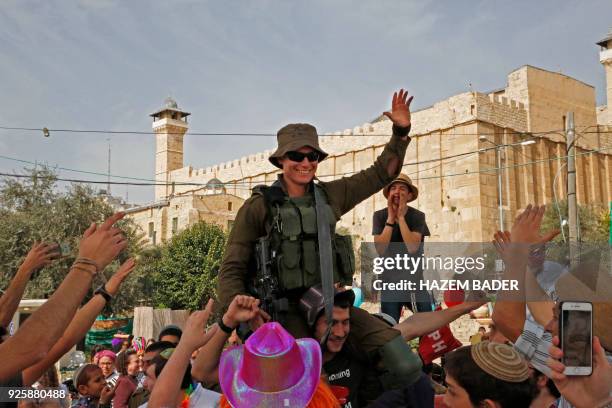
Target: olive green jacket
{"points": [[343, 195]]}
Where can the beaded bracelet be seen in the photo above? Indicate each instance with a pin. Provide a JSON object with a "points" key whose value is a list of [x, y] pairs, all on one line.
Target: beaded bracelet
{"points": [[88, 261], [80, 268]]}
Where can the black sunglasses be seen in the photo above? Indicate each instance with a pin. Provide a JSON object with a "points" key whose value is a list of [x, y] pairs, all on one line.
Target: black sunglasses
{"points": [[298, 156]]}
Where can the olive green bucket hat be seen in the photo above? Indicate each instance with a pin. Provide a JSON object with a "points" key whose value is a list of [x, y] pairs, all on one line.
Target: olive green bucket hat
{"points": [[293, 137]]}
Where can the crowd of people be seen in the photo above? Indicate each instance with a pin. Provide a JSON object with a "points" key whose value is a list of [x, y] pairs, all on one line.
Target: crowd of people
{"points": [[294, 338]]}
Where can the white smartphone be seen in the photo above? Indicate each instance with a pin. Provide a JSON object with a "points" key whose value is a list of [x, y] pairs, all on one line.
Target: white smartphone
{"points": [[576, 334]]}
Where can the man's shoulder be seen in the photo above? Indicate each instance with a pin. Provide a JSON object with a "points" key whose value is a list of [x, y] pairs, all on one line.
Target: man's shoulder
{"points": [[256, 203]]}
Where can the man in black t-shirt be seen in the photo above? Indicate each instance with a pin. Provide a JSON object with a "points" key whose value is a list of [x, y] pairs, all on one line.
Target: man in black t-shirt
{"points": [[401, 229], [349, 375], [342, 366]]}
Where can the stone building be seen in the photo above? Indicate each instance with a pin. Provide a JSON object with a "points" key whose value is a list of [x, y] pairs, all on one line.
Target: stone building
{"points": [[173, 211], [456, 146]]}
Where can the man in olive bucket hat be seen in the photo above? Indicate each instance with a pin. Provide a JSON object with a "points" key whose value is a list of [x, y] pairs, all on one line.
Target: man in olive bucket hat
{"points": [[400, 229], [285, 216]]}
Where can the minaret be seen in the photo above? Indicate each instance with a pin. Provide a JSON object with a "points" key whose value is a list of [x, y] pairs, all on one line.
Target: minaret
{"points": [[605, 57], [169, 125]]}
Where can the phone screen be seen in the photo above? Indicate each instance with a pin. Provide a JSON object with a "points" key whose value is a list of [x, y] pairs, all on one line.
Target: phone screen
{"points": [[577, 338]]}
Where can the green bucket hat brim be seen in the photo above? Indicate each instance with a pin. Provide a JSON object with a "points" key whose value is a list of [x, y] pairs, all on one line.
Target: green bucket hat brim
{"points": [[293, 137]]}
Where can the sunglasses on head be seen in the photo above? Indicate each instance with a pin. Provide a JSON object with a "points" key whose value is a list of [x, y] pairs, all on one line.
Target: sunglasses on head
{"points": [[298, 156]]}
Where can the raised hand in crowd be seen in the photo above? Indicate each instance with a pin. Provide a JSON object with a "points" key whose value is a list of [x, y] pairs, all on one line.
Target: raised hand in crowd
{"points": [[242, 309], [40, 255], [78, 327], [168, 384], [102, 244], [526, 228], [514, 247], [44, 327], [400, 109], [194, 334], [115, 281], [583, 391]]}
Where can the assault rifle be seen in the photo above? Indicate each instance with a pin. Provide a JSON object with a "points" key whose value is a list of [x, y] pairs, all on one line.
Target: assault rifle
{"points": [[266, 283]]}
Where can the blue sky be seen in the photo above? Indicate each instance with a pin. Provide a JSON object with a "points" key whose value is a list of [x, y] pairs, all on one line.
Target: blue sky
{"points": [[253, 66]]}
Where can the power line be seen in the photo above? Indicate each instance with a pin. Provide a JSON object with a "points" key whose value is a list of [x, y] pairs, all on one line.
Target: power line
{"points": [[238, 184], [75, 170], [140, 132], [328, 175]]}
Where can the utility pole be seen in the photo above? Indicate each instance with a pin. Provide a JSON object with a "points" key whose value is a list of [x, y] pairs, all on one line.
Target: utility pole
{"points": [[499, 187], [108, 192], [572, 207]]}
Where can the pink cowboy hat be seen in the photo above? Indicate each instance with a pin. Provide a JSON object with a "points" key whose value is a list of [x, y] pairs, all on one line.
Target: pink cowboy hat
{"points": [[272, 369]]}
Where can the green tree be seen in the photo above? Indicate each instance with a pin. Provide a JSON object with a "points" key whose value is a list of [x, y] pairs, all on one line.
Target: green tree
{"points": [[33, 208], [594, 222], [185, 273]]}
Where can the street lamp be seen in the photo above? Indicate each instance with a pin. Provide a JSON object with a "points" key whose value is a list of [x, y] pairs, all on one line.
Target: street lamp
{"points": [[498, 155]]}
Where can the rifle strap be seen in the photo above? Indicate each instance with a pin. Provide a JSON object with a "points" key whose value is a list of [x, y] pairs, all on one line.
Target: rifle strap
{"points": [[325, 258]]}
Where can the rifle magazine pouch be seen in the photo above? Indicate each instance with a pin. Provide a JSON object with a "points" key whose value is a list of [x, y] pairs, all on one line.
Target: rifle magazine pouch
{"points": [[289, 261], [345, 259], [311, 263], [289, 270]]}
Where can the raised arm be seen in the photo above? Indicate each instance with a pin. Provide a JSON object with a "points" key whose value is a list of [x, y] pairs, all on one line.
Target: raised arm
{"points": [[42, 330], [420, 324], [79, 326], [40, 255], [509, 311], [206, 365], [168, 384], [347, 192]]}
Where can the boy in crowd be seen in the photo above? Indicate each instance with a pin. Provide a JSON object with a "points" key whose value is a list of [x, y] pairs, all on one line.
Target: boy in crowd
{"points": [[93, 390], [488, 375]]}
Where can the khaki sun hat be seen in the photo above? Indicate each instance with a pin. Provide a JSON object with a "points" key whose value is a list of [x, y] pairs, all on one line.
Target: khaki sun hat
{"points": [[293, 137], [404, 179]]}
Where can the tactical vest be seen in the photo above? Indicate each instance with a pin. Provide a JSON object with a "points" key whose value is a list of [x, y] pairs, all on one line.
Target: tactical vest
{"points": [[292, 234]]}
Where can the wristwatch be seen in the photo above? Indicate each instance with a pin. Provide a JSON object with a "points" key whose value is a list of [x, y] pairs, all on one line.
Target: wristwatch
{"points": [[224, 327], [388, 224], [102, 291]]}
